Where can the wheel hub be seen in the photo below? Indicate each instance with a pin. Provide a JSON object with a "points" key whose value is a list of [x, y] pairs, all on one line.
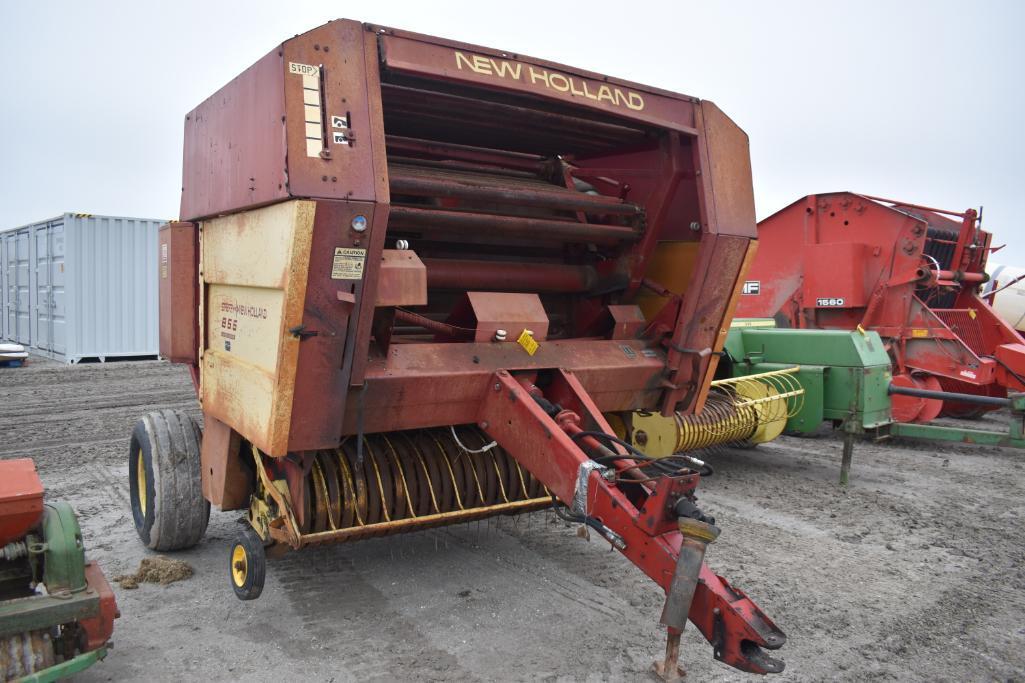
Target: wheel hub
{"points": [[239, 566], [140, 480]]}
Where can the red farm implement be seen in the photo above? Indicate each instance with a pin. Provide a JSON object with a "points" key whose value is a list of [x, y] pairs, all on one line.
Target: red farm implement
{"points": [[843, 261]]}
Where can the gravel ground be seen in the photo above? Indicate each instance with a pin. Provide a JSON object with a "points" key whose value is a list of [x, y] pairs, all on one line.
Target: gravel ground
{"points": [[914, 572]]}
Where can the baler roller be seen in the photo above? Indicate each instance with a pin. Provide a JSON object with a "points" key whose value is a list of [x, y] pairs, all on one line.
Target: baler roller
{"points": [[412, 480], [722, 421], [509, 276], [478, 158], [409, 180], [742, 409], [512, 126], [522, 227]]}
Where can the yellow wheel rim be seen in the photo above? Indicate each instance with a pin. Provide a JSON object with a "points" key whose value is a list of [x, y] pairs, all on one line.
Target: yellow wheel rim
{"points": [[239, 565], [140, 480]]}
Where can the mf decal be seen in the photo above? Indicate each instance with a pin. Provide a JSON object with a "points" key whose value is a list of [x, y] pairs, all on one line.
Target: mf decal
{"points": [[752, 287], [552, 80]]}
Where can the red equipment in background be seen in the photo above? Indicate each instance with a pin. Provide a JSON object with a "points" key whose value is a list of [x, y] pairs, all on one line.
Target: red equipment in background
{"points": [[912, 273]]}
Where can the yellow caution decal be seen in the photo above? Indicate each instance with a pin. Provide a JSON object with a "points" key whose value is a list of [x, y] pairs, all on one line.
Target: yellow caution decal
{"points": [[527, 341]]}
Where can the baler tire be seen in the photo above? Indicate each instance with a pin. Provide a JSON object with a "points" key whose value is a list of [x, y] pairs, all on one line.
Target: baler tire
{"points": [[247, 549], [165, 483]]}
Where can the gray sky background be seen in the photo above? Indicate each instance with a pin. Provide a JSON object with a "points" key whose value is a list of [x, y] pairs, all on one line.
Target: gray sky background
{"points": [[919, 101]]}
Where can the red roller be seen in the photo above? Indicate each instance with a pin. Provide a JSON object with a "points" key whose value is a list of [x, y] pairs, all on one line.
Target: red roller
{"points": [[541, 229], [500, 276]]}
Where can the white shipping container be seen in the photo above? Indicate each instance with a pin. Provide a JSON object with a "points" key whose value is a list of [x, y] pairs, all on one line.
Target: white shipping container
{"points": [[81, 286], [3, 289]]}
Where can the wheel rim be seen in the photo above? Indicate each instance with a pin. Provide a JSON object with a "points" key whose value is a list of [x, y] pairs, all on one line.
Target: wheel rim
{"points": [[140, 480], [239, 565]]}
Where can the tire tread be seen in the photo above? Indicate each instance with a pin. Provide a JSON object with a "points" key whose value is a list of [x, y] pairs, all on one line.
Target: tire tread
{"points": [[180, 512]]}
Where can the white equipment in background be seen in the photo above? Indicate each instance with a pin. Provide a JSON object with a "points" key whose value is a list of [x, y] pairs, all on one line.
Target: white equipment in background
{"points": [[1006, 286], [12, 352]]}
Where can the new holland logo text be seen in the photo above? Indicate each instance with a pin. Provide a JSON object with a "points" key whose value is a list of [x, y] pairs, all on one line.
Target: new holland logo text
{"points": [[553, 80], [243, 310]]}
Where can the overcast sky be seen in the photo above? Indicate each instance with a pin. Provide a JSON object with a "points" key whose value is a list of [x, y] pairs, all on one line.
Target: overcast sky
{"points": [[920, 101]]}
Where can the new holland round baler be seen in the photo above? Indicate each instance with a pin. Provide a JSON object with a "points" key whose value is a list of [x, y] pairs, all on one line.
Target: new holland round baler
{"points": [[415, 279]]}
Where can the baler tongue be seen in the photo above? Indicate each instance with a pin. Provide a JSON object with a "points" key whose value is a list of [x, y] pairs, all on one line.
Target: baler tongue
{"points": [[652, 514], [759, 661]]}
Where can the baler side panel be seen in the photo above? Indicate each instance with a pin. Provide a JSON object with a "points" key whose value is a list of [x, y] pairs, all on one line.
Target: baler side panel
{"points": [[795, 280], [178, 287], [324, 68], [728, 169], [346, 87], [330, 334], [255, 280], [703, 321], [222, 169]]}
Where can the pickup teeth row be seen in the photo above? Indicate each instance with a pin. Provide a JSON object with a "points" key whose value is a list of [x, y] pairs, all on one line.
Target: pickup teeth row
{"points": [[403, 476]]}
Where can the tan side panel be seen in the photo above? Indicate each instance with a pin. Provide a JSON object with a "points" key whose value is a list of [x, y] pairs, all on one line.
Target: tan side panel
{"points": [[247, 322], [253, 247], [255, 267]]}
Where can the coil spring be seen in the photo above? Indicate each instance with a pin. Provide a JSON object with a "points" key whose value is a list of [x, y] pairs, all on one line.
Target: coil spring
{"points": [[409, 474]]}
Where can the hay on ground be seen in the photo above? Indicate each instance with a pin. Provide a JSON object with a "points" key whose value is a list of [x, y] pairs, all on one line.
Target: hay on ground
{"points": [[159, 569]]}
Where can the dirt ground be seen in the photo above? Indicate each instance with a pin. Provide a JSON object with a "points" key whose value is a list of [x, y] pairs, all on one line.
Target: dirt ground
{"points": [[916, 571]]}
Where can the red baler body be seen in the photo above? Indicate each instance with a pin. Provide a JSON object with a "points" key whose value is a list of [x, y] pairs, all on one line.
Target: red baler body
{"points": [[492, 240]]}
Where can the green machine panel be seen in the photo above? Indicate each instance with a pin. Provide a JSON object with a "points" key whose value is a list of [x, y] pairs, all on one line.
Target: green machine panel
{"points": [[844, 374]]}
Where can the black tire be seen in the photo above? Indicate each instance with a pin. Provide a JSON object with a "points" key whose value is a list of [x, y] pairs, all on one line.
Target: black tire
{"points": [[247, 564], [963, 411], [164, 478]]}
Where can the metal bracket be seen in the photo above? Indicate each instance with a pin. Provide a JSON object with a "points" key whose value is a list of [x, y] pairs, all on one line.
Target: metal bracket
{"points": [[301, 333]]}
